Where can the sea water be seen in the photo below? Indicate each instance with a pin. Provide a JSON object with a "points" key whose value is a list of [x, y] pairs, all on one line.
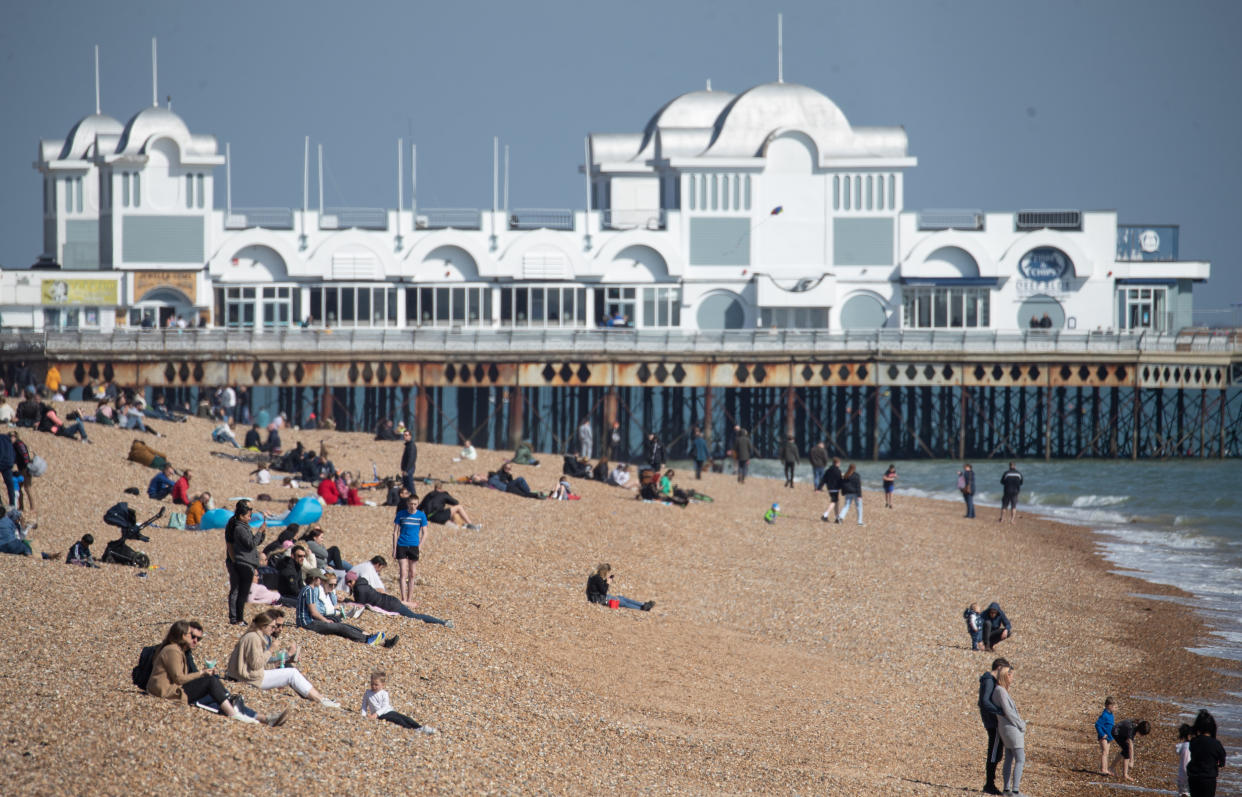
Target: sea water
{"points": [[1175, 522]]}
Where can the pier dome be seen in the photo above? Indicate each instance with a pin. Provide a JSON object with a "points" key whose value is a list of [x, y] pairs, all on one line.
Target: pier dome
{"points": [[151, 123], [744, 126], [81, 139], [692, 109]]}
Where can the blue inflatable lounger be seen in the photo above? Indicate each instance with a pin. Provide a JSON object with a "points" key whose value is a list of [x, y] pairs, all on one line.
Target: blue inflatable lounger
{"points": [[307, 510]]}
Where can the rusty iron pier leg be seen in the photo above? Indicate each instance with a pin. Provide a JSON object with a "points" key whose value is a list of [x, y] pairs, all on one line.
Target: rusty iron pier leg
{"points": [[517, 409], [421, 413], [610, 417], [789, 412], [961, 430], [1202, 420], [707, 417], [1047, 424], [1138, 407], [1223, 408]]}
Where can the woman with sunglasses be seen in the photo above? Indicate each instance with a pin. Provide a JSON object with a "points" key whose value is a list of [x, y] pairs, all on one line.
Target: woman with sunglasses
{"points": [[172, 680], [249, 659]]}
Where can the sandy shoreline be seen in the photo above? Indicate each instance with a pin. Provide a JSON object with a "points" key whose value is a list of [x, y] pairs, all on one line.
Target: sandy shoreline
{"points": [[804, 657]]}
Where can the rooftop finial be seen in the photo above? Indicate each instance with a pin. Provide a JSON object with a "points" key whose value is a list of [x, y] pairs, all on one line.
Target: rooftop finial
{"points": [[155, 92], [96, 79], [780, 48]]}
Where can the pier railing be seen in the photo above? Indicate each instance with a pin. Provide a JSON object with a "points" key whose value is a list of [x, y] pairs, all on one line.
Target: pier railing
{"points": [[599, 342]]}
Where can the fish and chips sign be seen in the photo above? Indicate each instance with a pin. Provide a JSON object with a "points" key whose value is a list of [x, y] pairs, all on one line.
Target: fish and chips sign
{"points": [[1044, 271], [81, 292]]}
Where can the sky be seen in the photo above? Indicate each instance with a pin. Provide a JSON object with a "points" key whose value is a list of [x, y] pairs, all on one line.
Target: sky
{"points": [[1127, 105]]}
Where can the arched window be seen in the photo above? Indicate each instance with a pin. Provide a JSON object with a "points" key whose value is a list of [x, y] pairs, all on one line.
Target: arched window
{"points": [[715, 198], [892, 191], [200, 190], [703, 192], [724, 192], [737, 192], [693, 196], [748, 192], [836, 192], [189, 191], [879, 192], [858, 195], [137, 190], [869, 191], [845, 199]]}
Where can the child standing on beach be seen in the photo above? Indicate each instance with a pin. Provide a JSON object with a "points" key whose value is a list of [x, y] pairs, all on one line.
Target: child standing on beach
{"points": [[1183, 758], [974, 625], [375, 705], [890, 481], [1104, 733]]}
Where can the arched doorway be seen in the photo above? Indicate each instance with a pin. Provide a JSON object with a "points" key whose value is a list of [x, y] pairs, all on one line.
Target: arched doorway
{"points": [[1041, 312], [721, 310], [160, 308], [863, 311]]}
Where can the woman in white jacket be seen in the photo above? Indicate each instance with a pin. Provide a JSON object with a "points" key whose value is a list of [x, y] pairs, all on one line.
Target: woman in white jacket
{"points": [[1011, 732]]}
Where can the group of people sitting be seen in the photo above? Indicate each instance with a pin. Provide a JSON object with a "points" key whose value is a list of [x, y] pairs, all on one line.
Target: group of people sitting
{"points": [[168, 670]]}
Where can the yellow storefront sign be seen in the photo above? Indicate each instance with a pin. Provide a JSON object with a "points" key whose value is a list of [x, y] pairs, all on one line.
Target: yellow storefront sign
{"points": [[81, 291]]}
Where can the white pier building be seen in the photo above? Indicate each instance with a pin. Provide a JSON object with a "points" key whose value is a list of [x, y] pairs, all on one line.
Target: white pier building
{"points": [[763, 209]]}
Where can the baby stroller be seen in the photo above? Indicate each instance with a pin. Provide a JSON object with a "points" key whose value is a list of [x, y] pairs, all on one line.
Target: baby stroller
{"points": [[117, 552]]}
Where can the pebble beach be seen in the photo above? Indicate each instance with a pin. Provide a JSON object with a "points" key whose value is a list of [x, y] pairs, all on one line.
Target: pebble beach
{"points": [[801, 657]]}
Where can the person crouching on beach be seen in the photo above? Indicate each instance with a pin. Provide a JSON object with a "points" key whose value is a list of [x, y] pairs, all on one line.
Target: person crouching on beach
{"points": [[1104, 733], [1125, 733], [996, 626]]}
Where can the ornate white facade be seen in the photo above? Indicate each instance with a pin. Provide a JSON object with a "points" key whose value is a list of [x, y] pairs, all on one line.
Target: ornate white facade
{"points": [[761, 209]]}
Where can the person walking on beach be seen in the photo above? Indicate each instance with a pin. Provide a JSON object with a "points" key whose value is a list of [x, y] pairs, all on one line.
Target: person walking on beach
{"points": [[616, 447], [989, 712], [698, 451], [790, 459], [1207, 756], [1011, 484], [851, 489], [819, 463], [1011, 729], [743, 450], [966, 483], [832, 483], [585, 438], [890, 481], [409, 461]]}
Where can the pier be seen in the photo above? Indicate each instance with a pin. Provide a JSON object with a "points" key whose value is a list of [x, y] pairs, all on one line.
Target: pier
{"points": [[884, 394]]}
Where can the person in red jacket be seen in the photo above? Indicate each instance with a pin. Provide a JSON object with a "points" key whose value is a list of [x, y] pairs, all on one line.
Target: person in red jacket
{"points": [[181, 490], [329, 493]]}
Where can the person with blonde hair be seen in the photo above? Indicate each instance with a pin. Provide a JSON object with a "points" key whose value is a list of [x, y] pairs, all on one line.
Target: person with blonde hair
{"points": [[598, 586], [1011, 732]]}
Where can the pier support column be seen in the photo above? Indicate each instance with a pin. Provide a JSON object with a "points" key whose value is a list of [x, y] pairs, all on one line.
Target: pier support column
{"points": [[421, 407], [789, 412], [610, 417], [517, 410], [707, 418], [1047, 424], [961, 423]]}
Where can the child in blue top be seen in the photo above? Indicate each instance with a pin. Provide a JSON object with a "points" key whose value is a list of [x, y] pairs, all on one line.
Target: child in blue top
{"points": [[1104, 733], [974, 625], [407, 533]]}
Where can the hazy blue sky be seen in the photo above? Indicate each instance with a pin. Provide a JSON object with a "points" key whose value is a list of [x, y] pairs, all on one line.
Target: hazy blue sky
{"points": [[1124, 104]]}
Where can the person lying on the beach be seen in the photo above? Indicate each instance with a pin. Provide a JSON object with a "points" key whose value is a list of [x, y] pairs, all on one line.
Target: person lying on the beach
{"points": [[506, 482], [441, 507]]}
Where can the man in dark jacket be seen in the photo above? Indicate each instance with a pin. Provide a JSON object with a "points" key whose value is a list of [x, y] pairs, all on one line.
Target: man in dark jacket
{"points": [[743, 450], [996, 626], [790, 459], [988, 712], [409, 461], [968, 489], [252, 438], [242, 551], [1011, 485], [819, 463], [655, 452], [832, 483], [289, 575]]}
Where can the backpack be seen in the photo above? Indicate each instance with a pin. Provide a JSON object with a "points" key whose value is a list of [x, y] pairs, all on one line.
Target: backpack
{"points": [[961, 482], [146, 663]]}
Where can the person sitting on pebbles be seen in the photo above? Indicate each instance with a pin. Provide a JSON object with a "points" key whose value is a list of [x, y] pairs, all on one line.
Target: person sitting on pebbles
{"points": [[441, 507], [249, 659], [598, 586], [366, 593], [171, 679]]}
